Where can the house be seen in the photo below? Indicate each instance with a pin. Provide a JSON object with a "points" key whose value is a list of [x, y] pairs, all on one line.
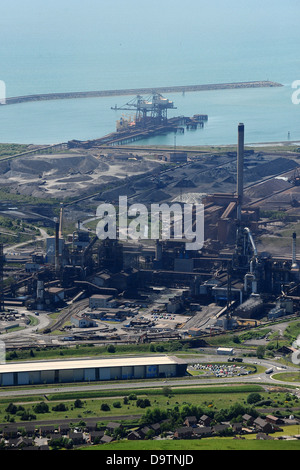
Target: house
{"points": [[95, 436], [263, 426], [205, 420], [111, 427], [77, 438], [47, 430], [202, 431], [156, 428], [90, 427], [183, 433], [274, 420], [247, 419], [106, 439], [30, 430], [190, 421], [133, 436], [20, 442], [144, 431], [10, 433], [237, 428], [220, 428], [54, 435], [64, 430]]}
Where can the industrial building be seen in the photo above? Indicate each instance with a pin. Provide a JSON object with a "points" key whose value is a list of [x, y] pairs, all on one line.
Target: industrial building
{"points": [[55, 372], [228, 272]]}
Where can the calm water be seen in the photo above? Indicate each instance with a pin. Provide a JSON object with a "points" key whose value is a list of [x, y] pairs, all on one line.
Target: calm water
{"points": [[70, 45]]}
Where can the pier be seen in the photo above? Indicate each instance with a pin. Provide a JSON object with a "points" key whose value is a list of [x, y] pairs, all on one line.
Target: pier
{"points": [[129, 135], [138, 91]]}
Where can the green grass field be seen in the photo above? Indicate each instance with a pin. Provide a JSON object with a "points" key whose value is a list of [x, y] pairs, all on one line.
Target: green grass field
{"points": [[208, 398], [202, 444]]}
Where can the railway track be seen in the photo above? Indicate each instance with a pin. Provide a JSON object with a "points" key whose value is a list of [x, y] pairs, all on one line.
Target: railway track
{"points": [[65, 316]]}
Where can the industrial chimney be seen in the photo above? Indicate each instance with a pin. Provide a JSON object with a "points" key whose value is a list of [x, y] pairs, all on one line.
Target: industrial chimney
{"points": [[295, 266], [240, 169], [57, 246], [294, 251]]}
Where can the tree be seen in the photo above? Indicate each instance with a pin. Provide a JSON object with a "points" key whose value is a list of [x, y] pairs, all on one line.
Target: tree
{"points": [[253, 398], [150, 434], [41, 408], [132, 396], [60, 407], [78, 403], [11, 408], [105, 407], [260, 352], [111, 348]]}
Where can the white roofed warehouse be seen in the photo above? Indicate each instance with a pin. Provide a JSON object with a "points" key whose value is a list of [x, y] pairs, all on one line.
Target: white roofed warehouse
{"points": [[88, 370]]}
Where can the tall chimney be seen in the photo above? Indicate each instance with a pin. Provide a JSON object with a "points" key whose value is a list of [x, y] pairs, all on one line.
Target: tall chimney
{"points": [[57, 246], [240, 169], [61, 220], [294, 252]]}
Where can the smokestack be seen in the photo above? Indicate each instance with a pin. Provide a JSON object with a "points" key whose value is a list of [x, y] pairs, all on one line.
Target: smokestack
{"points": [[61, 219], [294, 251], [240, 169], [56, 246]]}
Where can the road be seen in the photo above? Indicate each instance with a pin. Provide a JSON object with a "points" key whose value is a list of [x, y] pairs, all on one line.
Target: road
{"points": [[11, 248]]}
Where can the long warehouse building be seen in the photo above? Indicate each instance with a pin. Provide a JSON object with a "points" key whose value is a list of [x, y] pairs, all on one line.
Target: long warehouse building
{"points": [[89, 370]]}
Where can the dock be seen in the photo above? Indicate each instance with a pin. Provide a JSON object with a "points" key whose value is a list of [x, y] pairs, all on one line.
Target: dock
{"points": [[129, 135]]}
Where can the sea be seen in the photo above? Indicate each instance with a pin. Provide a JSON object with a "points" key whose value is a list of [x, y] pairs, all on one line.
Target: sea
{"points": [[75, 45]]}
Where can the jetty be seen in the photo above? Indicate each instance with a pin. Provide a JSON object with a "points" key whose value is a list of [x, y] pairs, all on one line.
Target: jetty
{"points": [[138, 91]]}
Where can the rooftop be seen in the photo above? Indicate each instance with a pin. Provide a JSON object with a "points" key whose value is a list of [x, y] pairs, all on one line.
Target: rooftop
{"points": [[89, 363]]}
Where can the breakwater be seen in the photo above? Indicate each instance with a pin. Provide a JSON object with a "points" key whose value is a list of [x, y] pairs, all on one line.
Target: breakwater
{"points": [[139, 91]]}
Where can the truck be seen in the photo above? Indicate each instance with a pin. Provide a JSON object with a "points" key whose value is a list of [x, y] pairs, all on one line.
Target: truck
{"points": [[269, 371], [235, 359]]}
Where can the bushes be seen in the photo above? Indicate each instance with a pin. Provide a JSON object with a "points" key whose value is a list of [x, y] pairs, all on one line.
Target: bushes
{"points": [[60, 407], [105, 407], [111, 349], [253, 398], [117, 404], [41, 408], [143, 403], [61, 443]]}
